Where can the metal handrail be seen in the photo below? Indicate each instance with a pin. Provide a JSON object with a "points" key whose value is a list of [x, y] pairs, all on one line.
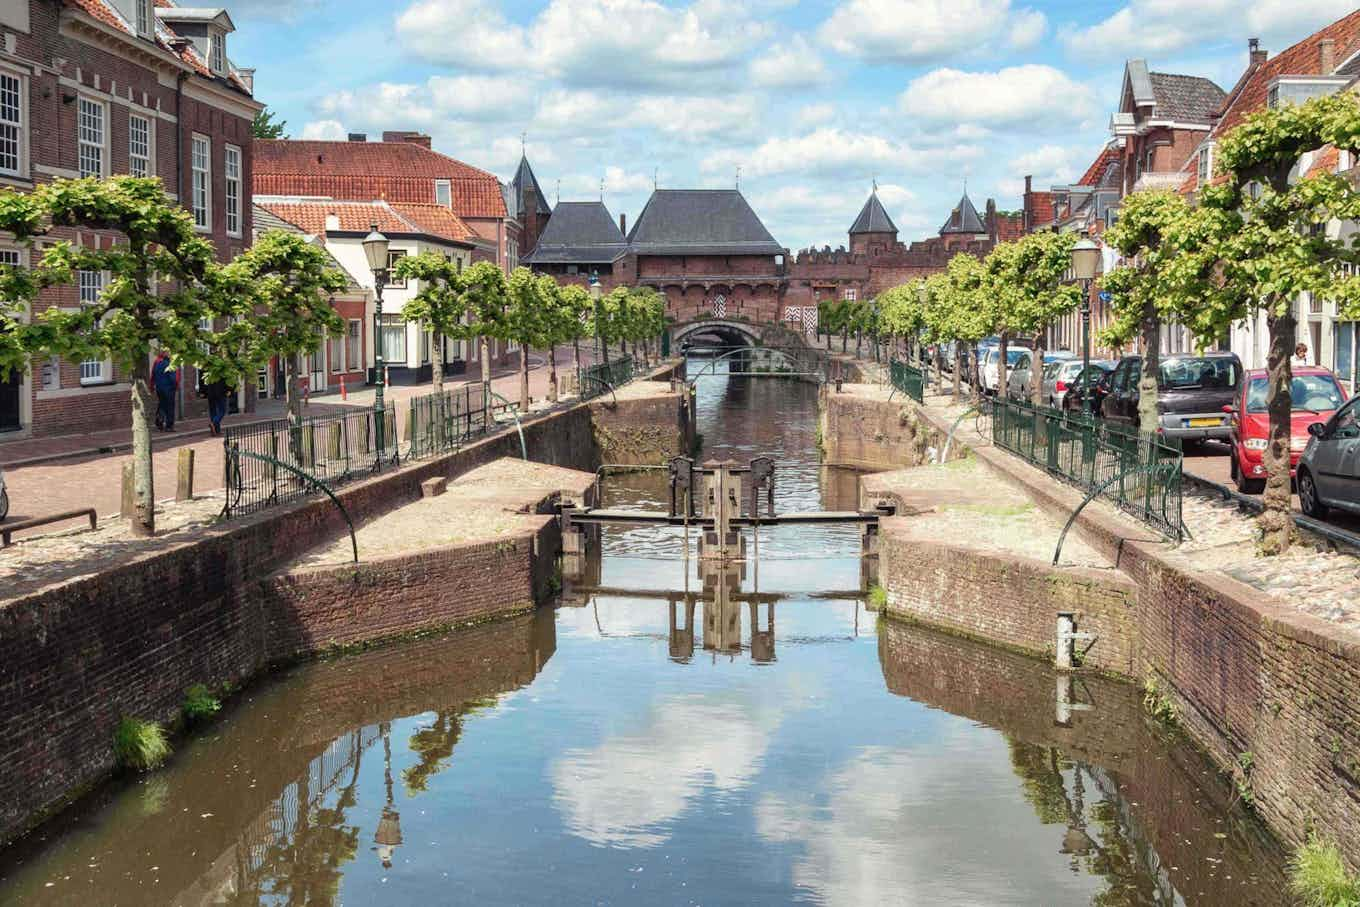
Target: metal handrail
{"points": [[234, 453]]}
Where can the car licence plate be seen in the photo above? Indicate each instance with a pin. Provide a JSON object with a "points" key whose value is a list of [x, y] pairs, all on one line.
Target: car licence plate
{"points": [[1205, 422]]}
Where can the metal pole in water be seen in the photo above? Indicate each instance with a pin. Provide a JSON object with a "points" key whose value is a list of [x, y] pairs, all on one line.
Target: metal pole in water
{"points": [[1063, 652]]}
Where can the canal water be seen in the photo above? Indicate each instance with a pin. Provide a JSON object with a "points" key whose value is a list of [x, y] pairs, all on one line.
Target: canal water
{"points": [[644, 744]]}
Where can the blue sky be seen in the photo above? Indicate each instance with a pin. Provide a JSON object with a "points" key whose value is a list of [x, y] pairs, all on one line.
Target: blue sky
{"points": [[812, 101]]}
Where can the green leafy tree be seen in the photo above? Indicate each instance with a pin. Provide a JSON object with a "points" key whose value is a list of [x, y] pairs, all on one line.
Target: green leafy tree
{"points": [[1150, 287], [1030, 286], [264, 126], [1273, 247], [969, 313], [443, 305], [901, 313], [576, 308], [483, 286], [22, 213], [521, 322], [153, 299], [277, 297]]}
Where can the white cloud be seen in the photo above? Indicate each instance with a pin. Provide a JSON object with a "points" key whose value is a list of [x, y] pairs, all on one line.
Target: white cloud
{"points": [[815, 114], [830, 152], [917, 31], [477, 97], [616, 181], [1163, 26], [698, 117], [463, 33], [1027, 29], [1032, 96], [792, 65], [386, 104], [323, 129], [1049, 165]]}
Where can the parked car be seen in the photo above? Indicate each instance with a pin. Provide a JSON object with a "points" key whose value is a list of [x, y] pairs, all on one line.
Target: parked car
{"points": [[1020, 381], [989, 377], [1064, 376], [1329, 469], [1191, 393], [1315, 393]]}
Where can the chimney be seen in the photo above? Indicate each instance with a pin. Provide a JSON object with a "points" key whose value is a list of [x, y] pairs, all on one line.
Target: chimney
{"points": [[406, 135], [332, 223], [248, 77], [358, 136], [623, 223], [1254, 52], [1029, 181], [1326, 56]]}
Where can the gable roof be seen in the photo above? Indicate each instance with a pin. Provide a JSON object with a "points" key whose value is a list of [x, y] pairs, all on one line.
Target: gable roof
{"points": [[395, 218], [1105, 169], [363, 171], [872, 218], [524, 178], [1185, 99], [582, 232], [700, 222], [263, 219], [963, 219]]}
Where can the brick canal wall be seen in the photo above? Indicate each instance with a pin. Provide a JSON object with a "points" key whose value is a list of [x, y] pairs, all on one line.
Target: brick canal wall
{"points": [[863, 432], [1253, 681], [127, 639]]}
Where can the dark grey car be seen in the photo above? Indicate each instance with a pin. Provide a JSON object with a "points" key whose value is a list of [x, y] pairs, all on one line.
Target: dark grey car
{"points": [[1329, 470], [1191, 394]]}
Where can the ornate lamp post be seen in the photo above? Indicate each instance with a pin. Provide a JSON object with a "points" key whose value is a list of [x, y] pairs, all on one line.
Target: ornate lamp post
{"points": [[596, 292], [1085, 261], [375, 250]]}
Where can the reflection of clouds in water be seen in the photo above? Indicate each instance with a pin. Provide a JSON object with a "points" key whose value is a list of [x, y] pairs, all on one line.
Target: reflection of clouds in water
{"points": [[903, 826], [623, 791]]}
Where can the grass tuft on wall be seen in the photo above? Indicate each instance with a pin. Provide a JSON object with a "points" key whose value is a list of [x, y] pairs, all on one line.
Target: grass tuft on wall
{"points": [[140, 745], [1318, 877], [199, 703]]}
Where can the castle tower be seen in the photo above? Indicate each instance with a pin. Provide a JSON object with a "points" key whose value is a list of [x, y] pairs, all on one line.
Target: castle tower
{"points": [[530, 207], [873, 229]]}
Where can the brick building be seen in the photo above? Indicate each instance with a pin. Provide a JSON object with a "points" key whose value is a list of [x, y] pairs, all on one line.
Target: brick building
{"points": [[103, 87]]}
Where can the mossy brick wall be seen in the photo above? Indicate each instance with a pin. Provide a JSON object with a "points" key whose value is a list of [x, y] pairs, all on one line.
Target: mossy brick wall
{"points": [[126, 640], [867, 433], [1011, 600], [646, 431]]}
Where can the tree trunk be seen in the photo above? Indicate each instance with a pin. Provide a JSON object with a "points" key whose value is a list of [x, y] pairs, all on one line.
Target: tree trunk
{"points": [[552, 374], [1148, 416], [958, 373], [293, 397], [576, 353], [977, 375], [524, 377], [859, 339], [486, 373], [845, 339], [939, 367], [437, 362], [1036, 369], [143, 405], [1002, 351], [1277, 523]]}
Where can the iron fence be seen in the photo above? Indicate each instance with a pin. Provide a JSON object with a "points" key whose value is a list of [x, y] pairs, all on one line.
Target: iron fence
{"points": [[908, 379], [443, 421], [599, 378], [1141, 474], [261, 457]]}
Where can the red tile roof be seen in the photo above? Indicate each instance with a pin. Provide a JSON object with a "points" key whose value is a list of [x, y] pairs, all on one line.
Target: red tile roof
{"points": [[361, 171], [1300, 60], [310, 216], [1096, 171]]}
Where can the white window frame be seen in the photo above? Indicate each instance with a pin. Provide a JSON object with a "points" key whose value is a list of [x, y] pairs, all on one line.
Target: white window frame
{"points": [[203, 215], [231, 177], [393, 255], [1205, 164], [144, 18], [90, 286], [354, 341], [93, 143], [851, 294], [19, 126], [146, 155], [391, 322], [447, 187], [217, 51]]}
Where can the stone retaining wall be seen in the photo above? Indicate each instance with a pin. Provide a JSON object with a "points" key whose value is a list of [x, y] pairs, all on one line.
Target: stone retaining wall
{"points": [[866, 433], [78, 655]]}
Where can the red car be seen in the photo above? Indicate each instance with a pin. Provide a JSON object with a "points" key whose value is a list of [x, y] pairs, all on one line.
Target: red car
{"points": [[1316, 394]]}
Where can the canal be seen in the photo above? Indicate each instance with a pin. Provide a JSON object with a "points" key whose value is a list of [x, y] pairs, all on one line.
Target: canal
{"points": [[634, 745]]}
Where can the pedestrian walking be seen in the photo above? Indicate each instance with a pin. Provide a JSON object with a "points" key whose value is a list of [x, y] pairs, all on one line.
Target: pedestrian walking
{"points": [[1301, 354], [165, 379], [216, 392]]}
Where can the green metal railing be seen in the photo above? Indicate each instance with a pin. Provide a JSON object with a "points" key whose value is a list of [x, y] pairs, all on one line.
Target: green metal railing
{"points": [[597, 379], [443, 421], [1141, 474], [908, 379]]}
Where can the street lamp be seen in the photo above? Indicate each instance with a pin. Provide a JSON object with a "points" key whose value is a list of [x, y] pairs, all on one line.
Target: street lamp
{"points": [[375, 250], [1085, 261], [596, 292]]}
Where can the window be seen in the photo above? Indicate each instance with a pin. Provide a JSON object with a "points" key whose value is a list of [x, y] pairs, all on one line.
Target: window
{"points": [[200, 163], [231, 168], [337, 353], [139, 145], [90, 137], [393, 340], [443, 193], [11, 124], [355, 345], [851, 294], [1205, 164], [393, 256], [424, 345], [1297, 90], [146, 21], [217, 52], [90, 285]]}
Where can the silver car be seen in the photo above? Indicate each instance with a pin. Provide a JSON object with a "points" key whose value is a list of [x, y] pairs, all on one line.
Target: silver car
{"points": [[1328, 474], [1019, 382], [1063, 376]]}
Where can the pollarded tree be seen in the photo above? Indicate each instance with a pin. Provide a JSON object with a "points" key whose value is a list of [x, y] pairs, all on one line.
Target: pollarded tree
{"points": [[443, 305], [1034, 294], [1155, 282], [1273, 247], [483, 287], [153, 299], [937, 318], [552, 326], [576, 305], [521, 322], [969, 313], [18, 285], [277, 297], [901, 312]]}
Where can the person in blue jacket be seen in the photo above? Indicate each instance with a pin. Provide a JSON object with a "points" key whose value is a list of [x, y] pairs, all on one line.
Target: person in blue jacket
{"points": [[165, 379]]}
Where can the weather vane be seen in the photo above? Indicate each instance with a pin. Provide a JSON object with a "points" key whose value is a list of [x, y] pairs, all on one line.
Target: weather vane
{"points": [[739, 177], [523, 141], [559, 190], [601, 188], [656, 174]]}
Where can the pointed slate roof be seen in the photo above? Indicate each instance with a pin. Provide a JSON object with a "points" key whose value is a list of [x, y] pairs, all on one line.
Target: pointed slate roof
{"points": [[579, 233], [524, 178], [963, 219], [700, 222], [872, 218]]}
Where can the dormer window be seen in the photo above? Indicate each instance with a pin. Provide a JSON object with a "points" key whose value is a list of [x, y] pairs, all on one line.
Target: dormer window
{"points": [[1206, 164], [1297, 89], [217, 52], [146, 18], [443, 193]]}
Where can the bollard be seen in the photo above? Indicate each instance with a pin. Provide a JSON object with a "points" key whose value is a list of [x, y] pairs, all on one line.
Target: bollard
{"points": [[184, 474], [129, 502]]}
